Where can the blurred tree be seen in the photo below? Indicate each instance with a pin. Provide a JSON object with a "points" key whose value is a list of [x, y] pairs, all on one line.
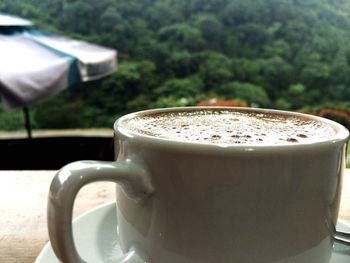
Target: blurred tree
{"points": [[131, 79], [296, 95], [170, 101], [252, 36], [282, 104], [81, 11], [141, 102], [187, 88], [247, 70], [173, 48], [182, 36], [55, 114], [211, 29], [250, 93], [182, 63], [315, 73], [160, 13], [11, 121], [278, 48], [277, 75], [214, 69]]}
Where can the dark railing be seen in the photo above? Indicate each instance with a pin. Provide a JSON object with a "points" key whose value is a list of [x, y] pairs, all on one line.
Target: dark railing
{"points": [[51, 153]]}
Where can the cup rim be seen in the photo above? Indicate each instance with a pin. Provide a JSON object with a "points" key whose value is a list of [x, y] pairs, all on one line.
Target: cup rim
{"points": [[341, 135]]}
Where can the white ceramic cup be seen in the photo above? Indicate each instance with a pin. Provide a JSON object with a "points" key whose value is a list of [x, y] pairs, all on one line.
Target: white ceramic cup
{"points": [[183, 202]]}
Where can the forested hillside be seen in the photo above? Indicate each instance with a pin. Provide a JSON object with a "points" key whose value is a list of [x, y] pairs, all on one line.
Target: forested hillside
{"points": [[285, 54]]}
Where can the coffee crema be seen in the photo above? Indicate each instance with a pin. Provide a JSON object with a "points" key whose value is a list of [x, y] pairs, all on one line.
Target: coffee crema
{"points": [[233, 126]]}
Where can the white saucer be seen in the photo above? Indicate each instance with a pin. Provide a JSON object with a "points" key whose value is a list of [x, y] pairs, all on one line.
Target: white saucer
{"points": [[95, 235]]}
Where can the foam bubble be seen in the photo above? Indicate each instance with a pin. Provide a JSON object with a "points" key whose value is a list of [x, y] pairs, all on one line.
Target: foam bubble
{"points": [[230, 127]]}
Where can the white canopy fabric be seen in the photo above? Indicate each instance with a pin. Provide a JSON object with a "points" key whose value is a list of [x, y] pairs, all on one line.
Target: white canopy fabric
{"points": [[94, 61], [35, 65], [9, 20], [29, 72]]}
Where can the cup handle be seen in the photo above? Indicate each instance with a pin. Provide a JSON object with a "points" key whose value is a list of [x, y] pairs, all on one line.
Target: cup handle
{"points": [[131, 175]]}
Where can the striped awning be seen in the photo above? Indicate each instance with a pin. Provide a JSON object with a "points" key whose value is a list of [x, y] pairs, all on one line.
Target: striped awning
{"points": [[35, 64]]}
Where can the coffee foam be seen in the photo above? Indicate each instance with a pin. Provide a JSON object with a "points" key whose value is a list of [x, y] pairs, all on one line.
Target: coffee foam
{"points": [[230, 127]]}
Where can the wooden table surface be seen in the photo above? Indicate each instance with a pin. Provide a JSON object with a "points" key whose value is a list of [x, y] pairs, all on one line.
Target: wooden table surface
{"points": [[23, 200]]}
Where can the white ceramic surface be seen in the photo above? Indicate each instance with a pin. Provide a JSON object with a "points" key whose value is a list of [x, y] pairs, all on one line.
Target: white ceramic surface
{"points": [[184, 202], [95, 234]]}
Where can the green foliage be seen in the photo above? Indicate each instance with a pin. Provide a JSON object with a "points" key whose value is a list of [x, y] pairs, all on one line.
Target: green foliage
{"points": [[296, 95], [249, 93], [131, 79], [170, 101], [276, 53], [211, 29], [187, 88], [182, 63], [11, 121], [141, 102], [56, 113], [181, 36], [283, 104], [214, 69]]}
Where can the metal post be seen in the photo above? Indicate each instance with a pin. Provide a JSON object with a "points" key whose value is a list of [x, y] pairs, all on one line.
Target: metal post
{"points": [[27, 124]]}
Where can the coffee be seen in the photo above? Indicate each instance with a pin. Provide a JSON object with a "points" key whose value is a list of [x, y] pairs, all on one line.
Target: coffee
{"points": [[204, 184], [230, 126]]}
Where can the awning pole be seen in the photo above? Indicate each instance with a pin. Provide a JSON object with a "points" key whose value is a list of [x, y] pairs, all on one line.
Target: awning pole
{"points": [[27, 124]]}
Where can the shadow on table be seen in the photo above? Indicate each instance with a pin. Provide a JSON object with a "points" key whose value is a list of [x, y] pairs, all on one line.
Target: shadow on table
{"points": [[51, 153]]}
